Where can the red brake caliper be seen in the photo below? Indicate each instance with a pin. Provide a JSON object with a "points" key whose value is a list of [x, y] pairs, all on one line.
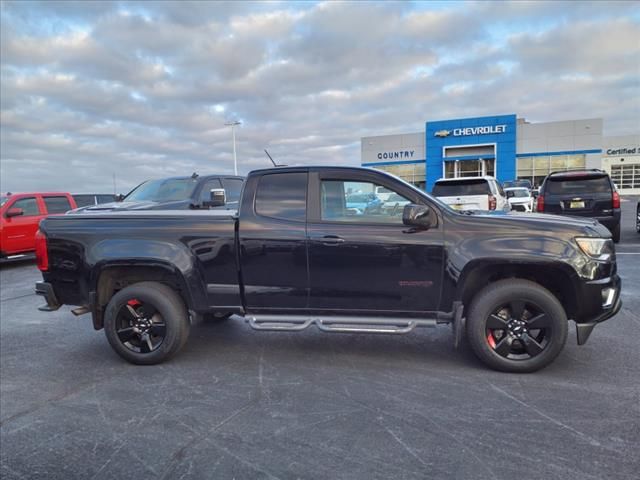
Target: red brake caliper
{"points": [[491, 340]]}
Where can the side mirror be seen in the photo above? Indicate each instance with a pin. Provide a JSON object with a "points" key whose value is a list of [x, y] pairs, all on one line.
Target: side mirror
{"points": [[509, 194], [119, 197], [218, 198], [14, 212], [419, 216]]}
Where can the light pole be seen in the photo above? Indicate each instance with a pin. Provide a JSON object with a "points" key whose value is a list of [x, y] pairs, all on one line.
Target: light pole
{"points": [[233, 135]]}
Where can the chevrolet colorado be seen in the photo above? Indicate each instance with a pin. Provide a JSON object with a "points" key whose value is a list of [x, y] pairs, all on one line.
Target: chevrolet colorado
{"points": [[294, 255]]}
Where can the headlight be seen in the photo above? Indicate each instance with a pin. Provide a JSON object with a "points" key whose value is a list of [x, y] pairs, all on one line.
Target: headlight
{"points": [[600, 249]]}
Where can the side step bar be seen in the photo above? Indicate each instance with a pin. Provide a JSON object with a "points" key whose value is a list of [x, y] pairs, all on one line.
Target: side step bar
{"points": [[345, 324]]}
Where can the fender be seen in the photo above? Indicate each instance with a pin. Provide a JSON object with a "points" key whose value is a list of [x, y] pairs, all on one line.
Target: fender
{"points": [[175, 258]]}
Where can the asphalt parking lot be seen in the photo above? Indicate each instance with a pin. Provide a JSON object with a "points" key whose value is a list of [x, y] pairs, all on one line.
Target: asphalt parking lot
{"points": [[243, 404]]}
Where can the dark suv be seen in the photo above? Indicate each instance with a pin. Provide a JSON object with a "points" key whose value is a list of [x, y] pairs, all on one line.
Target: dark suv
{"points": [[582, 193]]}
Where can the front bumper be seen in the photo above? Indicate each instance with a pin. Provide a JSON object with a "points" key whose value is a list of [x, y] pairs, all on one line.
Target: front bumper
{"points": [[601, 302], [46, 290]]}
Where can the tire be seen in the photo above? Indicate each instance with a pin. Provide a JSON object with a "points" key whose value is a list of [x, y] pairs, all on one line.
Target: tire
{"points": [[615, 233], [494, 323], [153, 308], [216, 317]]}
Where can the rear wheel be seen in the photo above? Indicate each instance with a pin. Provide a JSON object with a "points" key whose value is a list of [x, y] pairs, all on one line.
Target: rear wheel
{"points": [[146, 323], [516, 326]]}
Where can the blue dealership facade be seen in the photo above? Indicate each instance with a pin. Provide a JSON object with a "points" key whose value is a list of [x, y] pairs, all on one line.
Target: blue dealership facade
{"points": [[503, 146]]}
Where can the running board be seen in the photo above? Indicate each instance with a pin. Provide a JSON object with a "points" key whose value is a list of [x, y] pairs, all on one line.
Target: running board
{"points": [[343, 324]]}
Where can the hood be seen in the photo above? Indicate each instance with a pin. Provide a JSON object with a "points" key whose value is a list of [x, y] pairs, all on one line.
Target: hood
{"points": [[546, 222], [136, 205]]}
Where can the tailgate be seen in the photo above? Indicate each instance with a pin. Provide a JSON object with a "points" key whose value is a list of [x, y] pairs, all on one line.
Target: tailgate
{"points": [[584, 205], [467, 202]]}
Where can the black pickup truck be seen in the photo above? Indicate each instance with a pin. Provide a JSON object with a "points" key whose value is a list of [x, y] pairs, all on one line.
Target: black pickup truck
{"points": [[298, 253]]}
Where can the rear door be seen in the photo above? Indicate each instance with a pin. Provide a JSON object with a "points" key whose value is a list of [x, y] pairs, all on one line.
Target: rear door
{"points": [[19, 232], [56, 204], [585, 195], [273, 243], [367, 261]]}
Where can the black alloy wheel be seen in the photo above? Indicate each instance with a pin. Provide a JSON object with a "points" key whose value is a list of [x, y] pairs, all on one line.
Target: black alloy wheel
{"points": [[518, 330], [146, 323], [140, 327], [516, 325]]}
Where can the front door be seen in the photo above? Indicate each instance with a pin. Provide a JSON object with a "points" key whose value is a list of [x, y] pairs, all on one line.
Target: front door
{"points": [[19, 232], [361, 257]]}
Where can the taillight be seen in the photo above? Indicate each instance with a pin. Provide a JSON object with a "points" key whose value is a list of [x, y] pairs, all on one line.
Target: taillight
{"points": [[492, 202], [615, 199], [42, 257], [540, 204]]}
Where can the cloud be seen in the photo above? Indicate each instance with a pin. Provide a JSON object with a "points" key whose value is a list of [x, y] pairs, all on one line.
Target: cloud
{"points": [[143, 89]]}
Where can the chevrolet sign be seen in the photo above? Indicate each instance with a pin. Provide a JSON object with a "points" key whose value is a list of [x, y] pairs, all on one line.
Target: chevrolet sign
{"points": [[442, 133], [489, 129]]}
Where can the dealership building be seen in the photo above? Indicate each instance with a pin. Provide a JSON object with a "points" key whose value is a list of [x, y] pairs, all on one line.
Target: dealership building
{"points": [[506, 147]]}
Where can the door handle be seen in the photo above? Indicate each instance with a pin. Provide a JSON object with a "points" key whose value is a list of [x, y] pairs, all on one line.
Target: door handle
{"points": [[329, 239]]}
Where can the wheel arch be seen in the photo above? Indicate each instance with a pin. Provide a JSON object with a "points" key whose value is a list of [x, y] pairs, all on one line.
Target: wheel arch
{"points": [[109, 278], [555, 277]]}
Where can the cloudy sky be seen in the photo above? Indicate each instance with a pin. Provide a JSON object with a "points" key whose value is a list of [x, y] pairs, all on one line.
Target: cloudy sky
{"points": [[143, 89]]}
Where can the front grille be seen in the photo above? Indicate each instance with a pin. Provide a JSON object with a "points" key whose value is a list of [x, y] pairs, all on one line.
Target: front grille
{"points": [[519, 208]]}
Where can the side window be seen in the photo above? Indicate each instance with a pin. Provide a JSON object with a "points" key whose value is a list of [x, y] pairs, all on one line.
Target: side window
{"points": [[105, 198], [28, 205], [282, 195], [205, 193], [57, 204], [232, 188], [346, 201], [84, 200]]}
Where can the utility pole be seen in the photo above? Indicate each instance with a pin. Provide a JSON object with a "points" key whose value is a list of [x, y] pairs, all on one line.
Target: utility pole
{"points": [[233, 135]]}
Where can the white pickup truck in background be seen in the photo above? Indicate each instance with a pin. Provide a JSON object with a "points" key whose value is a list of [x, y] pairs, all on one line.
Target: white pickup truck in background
{"points": [[471, 193]]}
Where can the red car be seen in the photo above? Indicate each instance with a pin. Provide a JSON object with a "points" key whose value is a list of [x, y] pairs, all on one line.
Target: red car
{"points": [[20, 214]]}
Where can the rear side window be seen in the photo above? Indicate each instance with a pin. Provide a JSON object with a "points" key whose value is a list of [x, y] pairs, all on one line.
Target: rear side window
{"points": [[458, 188], [57, 204], [232, 188], [577, 186], [28, 205], [105, 198], [282, 195], [84, 200]]}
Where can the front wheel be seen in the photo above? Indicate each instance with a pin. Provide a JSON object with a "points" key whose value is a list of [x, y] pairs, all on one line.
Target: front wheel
{"points": [[516, 326], [146, 323]]}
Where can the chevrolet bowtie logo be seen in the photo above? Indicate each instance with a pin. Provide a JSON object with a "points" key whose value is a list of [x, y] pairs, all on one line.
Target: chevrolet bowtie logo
{"points": [[442, 133]]}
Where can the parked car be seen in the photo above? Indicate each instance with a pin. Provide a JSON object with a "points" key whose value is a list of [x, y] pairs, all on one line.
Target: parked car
{"points": [[88, 199], [293, 256], [520, 199], [175, 193], [638, 217], [20, 214], [517, 183], [582, 193], [362, 202], [471, 193], [394, 203]]}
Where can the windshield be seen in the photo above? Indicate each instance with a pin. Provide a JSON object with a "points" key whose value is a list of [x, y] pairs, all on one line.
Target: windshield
{"points": [[518, 192], [577, 186], [458, 188], [166, 190], [3, 200]]}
